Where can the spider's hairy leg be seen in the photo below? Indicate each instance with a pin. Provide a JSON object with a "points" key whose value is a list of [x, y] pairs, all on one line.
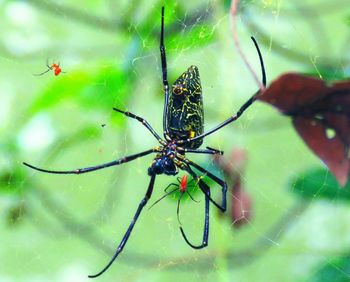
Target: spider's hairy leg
{"points": [[144, 122], [245, 106], [164, 74], [131, 226], [97, 167], [222, 183], [208, 150], [204, 187], [215, 151]]}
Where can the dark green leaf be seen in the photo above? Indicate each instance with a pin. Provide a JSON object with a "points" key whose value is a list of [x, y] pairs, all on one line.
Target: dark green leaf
{"points": [[102, 88], [11, 182], [334, 271], [320, 184], [329, 74], [347, 20]]}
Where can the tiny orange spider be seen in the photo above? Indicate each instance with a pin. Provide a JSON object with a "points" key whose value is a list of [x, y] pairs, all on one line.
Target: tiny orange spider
{"points": [[54, 67]]}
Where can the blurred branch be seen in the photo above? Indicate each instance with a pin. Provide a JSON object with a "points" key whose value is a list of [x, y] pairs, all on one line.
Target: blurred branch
{"points": [[277, 47], [131, 9], [322, 7], [313, 18], [86, 232], [270, 238], [112, 25], [78, 15]]}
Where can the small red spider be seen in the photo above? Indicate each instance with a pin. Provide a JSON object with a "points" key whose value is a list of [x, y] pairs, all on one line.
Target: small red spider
{"points": [[54, 67], [182, 187], [183, 183]]}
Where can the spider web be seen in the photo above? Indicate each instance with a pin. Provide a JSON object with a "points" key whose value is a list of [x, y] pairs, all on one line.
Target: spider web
{"points": [[67, 226]]}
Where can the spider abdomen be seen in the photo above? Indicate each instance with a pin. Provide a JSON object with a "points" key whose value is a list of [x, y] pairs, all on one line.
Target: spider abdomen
{"points": [[185, 116]]}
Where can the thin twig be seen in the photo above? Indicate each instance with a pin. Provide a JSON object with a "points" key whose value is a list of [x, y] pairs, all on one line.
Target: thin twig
{"points": [[233, 12]]}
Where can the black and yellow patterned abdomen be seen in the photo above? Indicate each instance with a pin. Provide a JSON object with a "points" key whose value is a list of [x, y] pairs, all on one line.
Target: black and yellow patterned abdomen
{"points": [[185, 116]]}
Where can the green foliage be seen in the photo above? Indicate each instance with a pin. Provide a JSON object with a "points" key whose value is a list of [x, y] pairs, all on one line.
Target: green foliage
{"points": [[329, 73], [347, 20], [87, 132], [334, 271], [16, 213], [197, 36], [320, 184], [183, 29], [11, 182], [104, 88]]}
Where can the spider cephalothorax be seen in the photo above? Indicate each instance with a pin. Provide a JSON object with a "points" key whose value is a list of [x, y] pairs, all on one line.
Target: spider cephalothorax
{"points": [[164, 161], [183, 132]]}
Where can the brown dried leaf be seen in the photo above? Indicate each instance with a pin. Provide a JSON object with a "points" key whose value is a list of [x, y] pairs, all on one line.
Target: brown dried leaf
{"points": [[320, 114]]}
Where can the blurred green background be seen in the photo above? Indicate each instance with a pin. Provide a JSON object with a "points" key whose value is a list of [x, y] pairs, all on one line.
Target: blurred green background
{"points": [[64, 227]]}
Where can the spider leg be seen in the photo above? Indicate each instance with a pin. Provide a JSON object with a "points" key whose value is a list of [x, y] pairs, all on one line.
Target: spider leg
{"points": [[171, 184], [189, 194], [215, 150], [245, 106], [164, 74], [178, 209], [161, 198], [208, 150], [143, 121], [48, 65], [131, 226], [219, 181], [206, 190], [38, 74], [97, 167], [222, 183]]}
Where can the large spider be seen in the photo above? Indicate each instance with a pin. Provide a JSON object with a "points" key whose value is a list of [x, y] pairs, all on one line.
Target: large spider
{"points": [[183, 132]]}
